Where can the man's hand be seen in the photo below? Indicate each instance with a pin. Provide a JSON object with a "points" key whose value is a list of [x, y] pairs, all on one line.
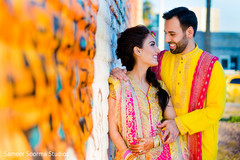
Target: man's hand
{"points": [[119, 73], [171, 131]]}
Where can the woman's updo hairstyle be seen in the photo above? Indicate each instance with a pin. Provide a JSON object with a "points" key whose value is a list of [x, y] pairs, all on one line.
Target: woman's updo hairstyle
{"points": [[128, 39]]}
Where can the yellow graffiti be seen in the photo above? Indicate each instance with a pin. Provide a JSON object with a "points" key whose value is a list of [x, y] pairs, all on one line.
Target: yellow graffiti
{"points": [[46, 72]]}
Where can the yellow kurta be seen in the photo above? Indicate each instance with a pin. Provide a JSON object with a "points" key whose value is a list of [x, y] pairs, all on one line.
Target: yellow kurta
{"points": [[177, 73]]}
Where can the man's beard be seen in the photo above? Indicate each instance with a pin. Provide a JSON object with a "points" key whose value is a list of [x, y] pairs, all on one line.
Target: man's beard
{"points": [[180, 46]]}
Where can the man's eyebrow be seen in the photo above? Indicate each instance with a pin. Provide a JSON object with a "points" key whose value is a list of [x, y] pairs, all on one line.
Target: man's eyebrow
{"points": [[169, 31]]}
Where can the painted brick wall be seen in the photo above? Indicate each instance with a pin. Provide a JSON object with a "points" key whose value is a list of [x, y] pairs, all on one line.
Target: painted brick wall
{"points": [[46, 65], [55, 59]]}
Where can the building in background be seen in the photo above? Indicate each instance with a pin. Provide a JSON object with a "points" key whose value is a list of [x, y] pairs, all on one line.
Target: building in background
{"points": [[201, 14], [226, 46]]}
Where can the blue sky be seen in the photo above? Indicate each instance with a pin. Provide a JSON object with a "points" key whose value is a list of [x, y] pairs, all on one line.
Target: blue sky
{"points": [[229, 10]]}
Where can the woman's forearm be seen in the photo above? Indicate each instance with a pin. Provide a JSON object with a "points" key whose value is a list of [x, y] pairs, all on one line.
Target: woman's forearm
{"points": [[113, 128], [118, 140]]}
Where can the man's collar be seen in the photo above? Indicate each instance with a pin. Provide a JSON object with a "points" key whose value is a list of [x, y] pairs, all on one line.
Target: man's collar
{"points": [[191, 53]]}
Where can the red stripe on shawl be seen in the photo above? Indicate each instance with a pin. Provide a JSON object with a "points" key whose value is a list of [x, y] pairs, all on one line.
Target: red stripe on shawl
{"points": [[199, 88]]}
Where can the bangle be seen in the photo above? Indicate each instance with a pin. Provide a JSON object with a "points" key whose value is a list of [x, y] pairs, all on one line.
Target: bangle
{"points": [[127, 154], [157, 141], [154, 142], [160, 138], [130, 157]]}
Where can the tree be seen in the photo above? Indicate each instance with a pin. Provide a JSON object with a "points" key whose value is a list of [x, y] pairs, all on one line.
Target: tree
{"points": [[147, 13]]}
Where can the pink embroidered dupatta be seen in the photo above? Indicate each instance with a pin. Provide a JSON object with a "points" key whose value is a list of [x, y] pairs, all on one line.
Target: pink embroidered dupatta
{"points": [[129, 126], [200, 84], [130, 119]]}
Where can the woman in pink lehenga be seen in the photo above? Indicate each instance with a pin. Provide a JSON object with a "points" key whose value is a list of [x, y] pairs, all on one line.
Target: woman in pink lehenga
{"points": [[137, 106]]}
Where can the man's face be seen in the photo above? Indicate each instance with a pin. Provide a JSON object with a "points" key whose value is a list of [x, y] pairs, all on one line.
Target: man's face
{"points": [[175, 36]]}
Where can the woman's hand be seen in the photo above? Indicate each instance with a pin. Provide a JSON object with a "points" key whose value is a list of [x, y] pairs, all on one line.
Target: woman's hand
{"points": [[144, 145]]}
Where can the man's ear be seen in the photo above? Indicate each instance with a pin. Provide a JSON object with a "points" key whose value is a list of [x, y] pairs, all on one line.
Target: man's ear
{"points": [[137, 51], [190, 32]]}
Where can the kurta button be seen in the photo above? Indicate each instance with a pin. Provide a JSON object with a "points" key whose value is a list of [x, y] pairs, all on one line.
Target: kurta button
{"points": [[179, 71], [178, 83]]}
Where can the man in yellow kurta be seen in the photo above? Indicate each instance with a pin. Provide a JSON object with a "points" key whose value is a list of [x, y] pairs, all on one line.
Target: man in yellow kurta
{"points": [[203, 120], [177, 71]]}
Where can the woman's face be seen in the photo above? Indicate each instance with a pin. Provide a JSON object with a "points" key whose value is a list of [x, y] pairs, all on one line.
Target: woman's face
{"points": [[148, 53]]}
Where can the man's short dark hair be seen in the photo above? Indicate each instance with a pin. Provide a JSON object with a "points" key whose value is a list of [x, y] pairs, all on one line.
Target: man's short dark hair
{"points": [[186, 17]]}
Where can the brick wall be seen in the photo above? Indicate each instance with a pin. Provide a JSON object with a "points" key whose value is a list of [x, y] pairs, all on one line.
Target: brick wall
{"points": [[54, 64]]}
